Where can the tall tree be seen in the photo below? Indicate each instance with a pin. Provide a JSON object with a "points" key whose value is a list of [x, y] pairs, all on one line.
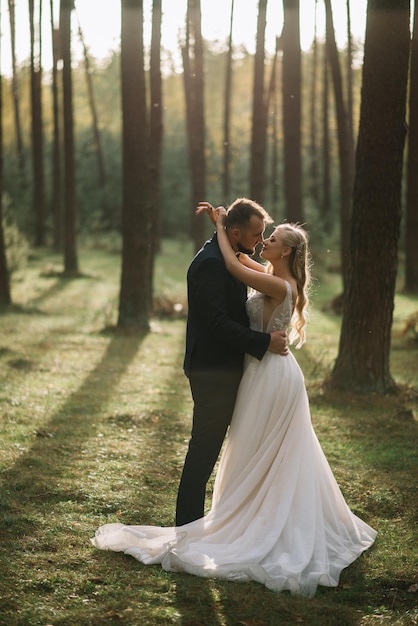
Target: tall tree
{"points": [[259, 113], [70, 248], [5, 297], [192, 52], [325, 156], [362, 364], [411, 226], [291, 86], [56, 199], [93, 109], [345, 142], [274, 108], [226, 175], [16, 96], [313, 157], [37, 122], [349, 74], [156, 137], [136, 220]]}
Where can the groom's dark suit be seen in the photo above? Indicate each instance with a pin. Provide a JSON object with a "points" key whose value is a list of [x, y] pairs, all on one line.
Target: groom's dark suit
{"points": [[218, 336]]}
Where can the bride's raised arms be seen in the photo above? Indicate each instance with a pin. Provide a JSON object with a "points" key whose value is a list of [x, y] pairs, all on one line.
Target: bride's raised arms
{"points": [[287, 251], [246, 272], [212, 213]]}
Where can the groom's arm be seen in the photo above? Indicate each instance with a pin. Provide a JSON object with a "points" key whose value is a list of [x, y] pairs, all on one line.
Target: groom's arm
{"points": [[211, 284]]}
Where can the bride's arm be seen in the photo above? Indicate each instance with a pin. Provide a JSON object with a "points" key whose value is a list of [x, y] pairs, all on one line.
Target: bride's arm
{"points": [[261, 281], [244, 259], [212, 213]]}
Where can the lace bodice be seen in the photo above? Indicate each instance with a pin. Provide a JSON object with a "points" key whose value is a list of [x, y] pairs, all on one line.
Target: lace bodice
{"points": [[280, 318]]}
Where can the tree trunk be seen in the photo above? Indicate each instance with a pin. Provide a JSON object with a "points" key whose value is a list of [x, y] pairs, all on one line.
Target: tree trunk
{"points": [[326, 159], [273, 106], [93, 109], [56, 201], [345, 144], [70, 252], [156, 138], [5, 297], [226, 176], [136, 221], [411, 242], [195, 116], [37, 128], [362, 364], [292, 112], [259, 114], [16, 98], [350, 77], [313, 163]]}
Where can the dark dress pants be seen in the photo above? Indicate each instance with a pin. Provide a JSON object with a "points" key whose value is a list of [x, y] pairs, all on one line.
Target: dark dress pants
{"points": [[214, 396]]}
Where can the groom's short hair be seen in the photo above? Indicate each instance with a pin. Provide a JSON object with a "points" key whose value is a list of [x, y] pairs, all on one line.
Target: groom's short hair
{"points": [[241, 210]]}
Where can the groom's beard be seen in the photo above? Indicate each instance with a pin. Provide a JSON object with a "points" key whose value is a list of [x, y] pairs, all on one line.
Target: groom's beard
{"points": [[246, 250]]}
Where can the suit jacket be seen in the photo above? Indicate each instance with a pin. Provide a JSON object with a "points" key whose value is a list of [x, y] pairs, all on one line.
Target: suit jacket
{"points": [[218, 333]]}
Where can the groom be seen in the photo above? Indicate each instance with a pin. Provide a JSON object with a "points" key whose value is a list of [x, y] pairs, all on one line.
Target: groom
{"points": [[217, 337]]}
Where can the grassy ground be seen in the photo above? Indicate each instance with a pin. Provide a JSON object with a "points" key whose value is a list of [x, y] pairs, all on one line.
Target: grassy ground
{"points": [[94, 427]]}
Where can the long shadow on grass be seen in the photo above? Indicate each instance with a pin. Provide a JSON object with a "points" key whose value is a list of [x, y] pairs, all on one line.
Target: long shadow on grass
{"points": [[214, 602], [62, 281], [163, 429], [33, 484]]}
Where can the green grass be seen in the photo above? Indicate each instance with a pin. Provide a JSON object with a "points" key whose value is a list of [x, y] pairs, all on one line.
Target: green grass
{"points": [[94, 427]]}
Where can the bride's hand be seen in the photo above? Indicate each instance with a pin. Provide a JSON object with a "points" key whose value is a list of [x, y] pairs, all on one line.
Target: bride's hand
{"points": [[220, 213], [206, 207]]}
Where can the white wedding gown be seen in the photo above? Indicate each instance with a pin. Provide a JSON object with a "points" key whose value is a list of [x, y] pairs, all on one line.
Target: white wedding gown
{"points": [[278, 516]]}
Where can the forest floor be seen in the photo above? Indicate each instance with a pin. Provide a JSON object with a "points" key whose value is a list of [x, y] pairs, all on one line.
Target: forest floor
{"points": [[94, 426]]}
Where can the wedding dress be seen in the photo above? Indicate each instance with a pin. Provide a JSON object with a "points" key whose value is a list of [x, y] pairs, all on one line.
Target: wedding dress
{"points": [[278, 516]]}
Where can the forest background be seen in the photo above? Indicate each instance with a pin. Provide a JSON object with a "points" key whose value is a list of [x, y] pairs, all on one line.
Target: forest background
{"points": [[100, 207]]}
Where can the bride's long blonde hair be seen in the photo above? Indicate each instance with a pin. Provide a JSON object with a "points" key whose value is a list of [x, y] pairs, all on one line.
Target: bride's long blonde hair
{"points": [[295, 237]]}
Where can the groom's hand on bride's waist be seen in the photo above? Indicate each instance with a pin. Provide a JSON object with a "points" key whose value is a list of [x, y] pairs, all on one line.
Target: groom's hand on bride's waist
{"points": [[278, 342]]}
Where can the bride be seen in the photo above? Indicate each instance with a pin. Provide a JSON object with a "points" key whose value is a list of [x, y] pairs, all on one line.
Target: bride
{"points": [[278, 516]]}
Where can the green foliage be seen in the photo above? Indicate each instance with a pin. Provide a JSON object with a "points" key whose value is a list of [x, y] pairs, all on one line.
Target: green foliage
{"points": [[94, 427]]}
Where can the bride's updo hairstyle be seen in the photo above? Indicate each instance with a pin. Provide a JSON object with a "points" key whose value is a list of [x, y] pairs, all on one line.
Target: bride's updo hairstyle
{"points": [[296, 238]]}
